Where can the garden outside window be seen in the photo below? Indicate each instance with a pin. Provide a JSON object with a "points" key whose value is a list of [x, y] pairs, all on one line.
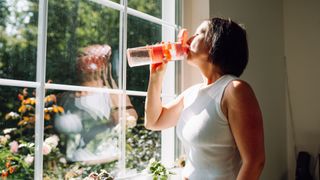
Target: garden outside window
{"points": [[69, 103]]}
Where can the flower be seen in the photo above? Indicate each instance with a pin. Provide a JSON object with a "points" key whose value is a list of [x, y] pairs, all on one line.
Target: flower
{"points": [[29, 159], [3, 140], [46, 148], [12, 115], [14, 146], [63, 160], [4, 173], [12, 169], [105, 175], [131, 121], [9, 130], [8, 163], [52, 141]]}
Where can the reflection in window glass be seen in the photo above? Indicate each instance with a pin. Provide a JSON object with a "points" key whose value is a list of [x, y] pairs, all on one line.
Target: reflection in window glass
{"points": [[17, 125], [73, 26], [18, 39], [151, 7], [140, 33], [88, 132], [81, 129], [141, 144]]}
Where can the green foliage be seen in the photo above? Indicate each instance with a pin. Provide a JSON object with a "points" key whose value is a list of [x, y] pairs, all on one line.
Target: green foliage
{"points": [[141, 146], [152, 7], [158, 170], [82, 23], [12, 164], [3, 13]]}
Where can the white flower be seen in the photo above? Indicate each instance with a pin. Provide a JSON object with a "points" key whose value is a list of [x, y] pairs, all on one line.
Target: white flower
{"points": [[12, 115], [52, 141], [8, 130], [63, 160], [3, 140], [46, 148], [29, 159], [131, 121], [7, 136]]}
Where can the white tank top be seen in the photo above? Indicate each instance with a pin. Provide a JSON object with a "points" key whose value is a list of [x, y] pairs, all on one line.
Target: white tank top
{"points": [[205, 134]]}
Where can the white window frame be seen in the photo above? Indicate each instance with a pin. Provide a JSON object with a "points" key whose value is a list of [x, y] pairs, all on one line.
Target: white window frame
{"points": [[169, 87]]}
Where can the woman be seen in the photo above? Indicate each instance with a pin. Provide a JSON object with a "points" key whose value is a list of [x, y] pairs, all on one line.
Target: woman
{"points": [[219, 121], [91, 118]]}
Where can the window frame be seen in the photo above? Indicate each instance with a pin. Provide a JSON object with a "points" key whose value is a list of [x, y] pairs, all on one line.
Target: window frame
{"points": [[170, 86]]}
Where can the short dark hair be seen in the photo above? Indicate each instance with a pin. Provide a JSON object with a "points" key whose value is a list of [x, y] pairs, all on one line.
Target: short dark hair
{"points": [[228, 46]]}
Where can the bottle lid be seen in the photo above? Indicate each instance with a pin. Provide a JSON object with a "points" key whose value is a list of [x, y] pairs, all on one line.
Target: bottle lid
{"points": [[183, 38]]}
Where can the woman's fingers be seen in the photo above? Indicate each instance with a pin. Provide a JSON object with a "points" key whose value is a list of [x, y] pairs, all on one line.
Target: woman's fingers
{"points": [[158, 67]]}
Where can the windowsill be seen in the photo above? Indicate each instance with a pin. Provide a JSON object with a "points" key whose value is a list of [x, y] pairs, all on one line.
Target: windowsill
{"points": [[146, 176]]}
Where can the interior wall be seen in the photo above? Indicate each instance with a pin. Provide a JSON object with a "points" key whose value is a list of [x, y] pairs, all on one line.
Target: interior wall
{"points": [[302, 50], [263, 21], [194, 12], [265, 72], [284, 44]]}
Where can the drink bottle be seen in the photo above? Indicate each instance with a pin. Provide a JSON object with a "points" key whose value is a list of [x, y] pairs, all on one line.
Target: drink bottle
{"points": [[157, 53]]}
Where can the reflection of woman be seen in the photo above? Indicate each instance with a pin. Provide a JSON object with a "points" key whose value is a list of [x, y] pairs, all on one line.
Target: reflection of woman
{"points": [[219, 121], [91, 116]]}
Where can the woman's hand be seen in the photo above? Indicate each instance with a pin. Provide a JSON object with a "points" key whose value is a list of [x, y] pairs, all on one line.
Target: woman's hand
{"points": [[158, 70]]}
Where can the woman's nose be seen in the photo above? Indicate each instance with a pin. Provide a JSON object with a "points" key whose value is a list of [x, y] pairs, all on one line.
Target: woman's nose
{"points": [[191, 39]]}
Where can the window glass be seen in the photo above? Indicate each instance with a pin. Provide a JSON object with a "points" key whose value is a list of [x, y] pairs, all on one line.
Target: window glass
{"points": [[116, 1], [82, 129], [17, 125], [141, 144], [88, 131], [140, 33], [151, 7], [82, 37], [18, 39]]}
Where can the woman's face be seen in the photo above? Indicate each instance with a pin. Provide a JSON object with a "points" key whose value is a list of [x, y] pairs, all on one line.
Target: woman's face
{"points": [[199, 49]]}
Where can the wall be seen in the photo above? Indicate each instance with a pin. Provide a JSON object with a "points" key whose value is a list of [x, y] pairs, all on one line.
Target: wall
{"points": [[194, 12], [302, 50], [265, 72]]}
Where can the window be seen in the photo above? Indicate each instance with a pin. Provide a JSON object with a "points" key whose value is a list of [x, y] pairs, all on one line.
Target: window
{"points": [[69, 103]]}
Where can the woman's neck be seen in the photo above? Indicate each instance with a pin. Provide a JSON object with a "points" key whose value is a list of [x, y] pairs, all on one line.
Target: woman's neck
{"points": [[210, 74]]}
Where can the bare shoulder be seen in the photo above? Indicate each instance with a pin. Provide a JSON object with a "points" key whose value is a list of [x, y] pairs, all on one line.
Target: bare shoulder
{"points": [[239, 85], [238, 88], [239, 93]]}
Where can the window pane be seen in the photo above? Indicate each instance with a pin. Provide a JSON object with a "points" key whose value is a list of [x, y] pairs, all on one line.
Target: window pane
{"points": [[17, 125], [151, 7], [80, 28], [18, 39], [140, 33], [88, 132], [116, 1], [142, 144]]}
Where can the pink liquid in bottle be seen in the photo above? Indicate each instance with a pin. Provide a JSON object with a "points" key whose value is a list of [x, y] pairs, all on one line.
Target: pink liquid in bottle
{"points": [[157, 53]]}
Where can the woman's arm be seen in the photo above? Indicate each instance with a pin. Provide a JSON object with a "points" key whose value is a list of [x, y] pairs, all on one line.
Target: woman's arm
{"points": [[244, 115], [158, 117]]}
